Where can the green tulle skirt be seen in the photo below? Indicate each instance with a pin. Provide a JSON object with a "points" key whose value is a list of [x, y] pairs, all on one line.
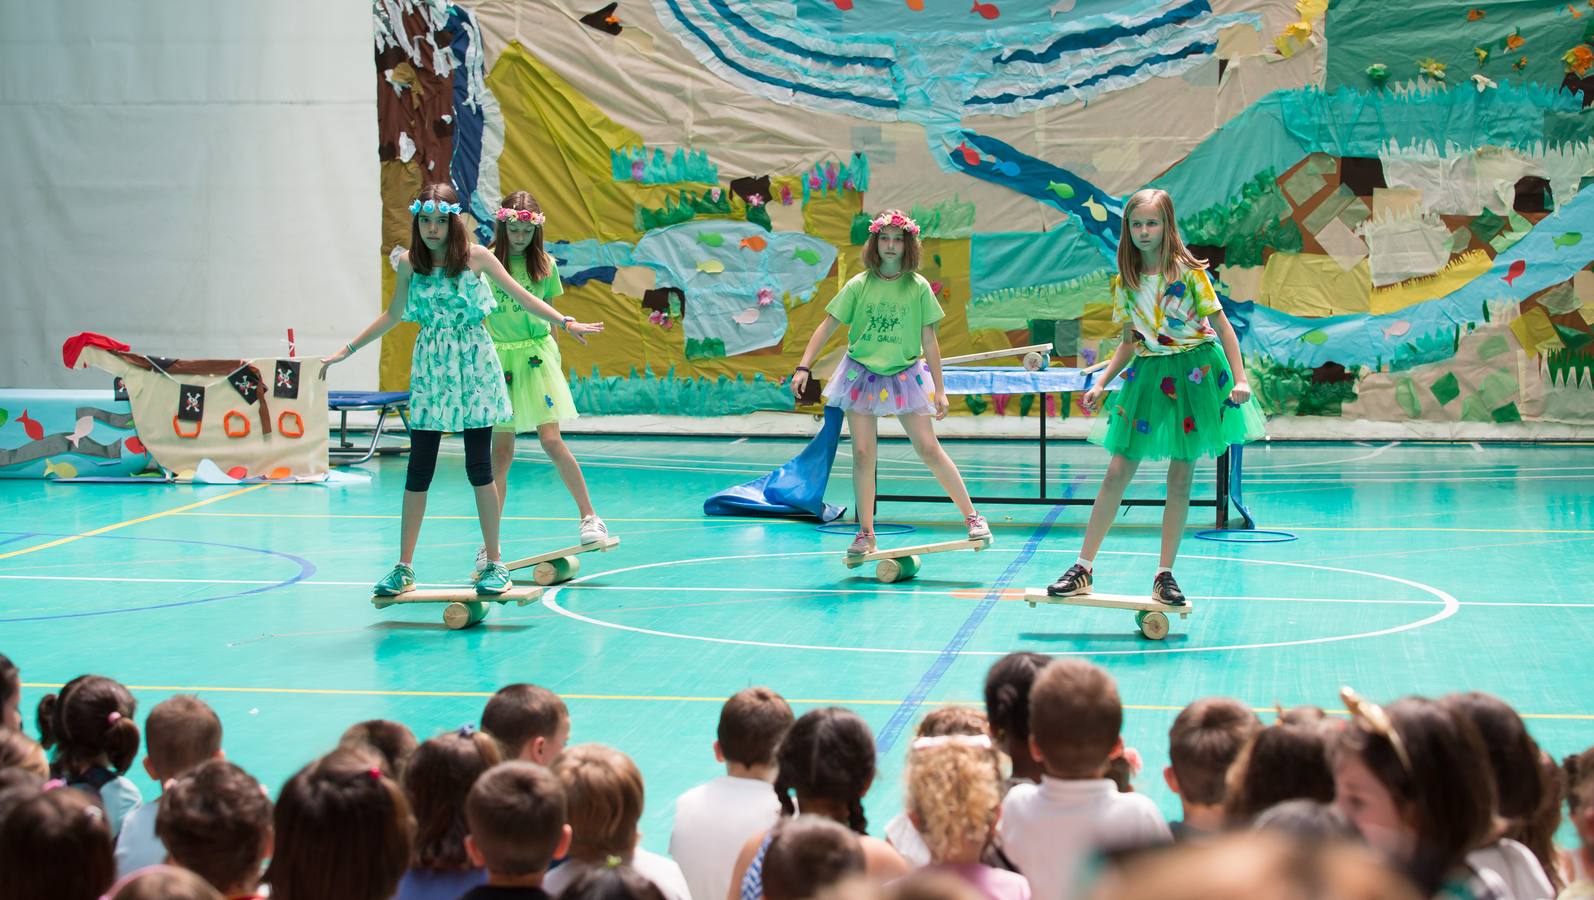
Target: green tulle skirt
{"points": [[1177, 407]]}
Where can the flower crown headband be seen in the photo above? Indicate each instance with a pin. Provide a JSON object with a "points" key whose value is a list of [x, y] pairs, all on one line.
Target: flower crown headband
{"points": [[979, 741], [1378, 722], [434, 206], [524, 215], [897, 219]]}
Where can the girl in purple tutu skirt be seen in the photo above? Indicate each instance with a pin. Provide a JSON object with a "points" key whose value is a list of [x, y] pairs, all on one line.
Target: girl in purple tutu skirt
{"points": [[892, 367]]}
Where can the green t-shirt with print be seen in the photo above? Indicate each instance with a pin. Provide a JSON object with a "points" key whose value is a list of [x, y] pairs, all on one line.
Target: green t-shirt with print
{"points": [[510, 322], [885, 319]]}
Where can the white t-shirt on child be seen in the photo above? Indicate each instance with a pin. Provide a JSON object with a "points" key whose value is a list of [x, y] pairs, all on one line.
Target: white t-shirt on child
{"points": [[136, 845], [712, 822], [665, 875], [1050, 829]]}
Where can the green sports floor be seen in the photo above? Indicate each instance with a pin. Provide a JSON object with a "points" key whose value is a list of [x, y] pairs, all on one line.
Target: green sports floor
{"points": [[1418, 569]]}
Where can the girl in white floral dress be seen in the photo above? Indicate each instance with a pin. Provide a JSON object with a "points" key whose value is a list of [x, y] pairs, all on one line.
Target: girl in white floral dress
{"points": [[456, 381]]}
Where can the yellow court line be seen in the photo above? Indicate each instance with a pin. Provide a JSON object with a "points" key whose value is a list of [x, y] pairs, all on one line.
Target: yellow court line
{"points": [[170, 512], [656, 698], [272, 515]]}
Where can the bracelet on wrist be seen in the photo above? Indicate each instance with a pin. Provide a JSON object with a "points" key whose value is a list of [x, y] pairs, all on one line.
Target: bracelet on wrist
{"points": [[804, 369]]}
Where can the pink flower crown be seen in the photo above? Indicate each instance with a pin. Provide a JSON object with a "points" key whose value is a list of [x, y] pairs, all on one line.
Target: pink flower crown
{"points": [[524, 215], [898, 219]]}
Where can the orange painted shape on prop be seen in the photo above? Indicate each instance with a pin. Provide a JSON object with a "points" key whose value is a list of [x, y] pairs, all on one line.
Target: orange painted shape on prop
{"points": [[33, 429], [134, 445], [843, 5], [282, 424], [280, 472], [237, 472], [916, 5], [227, 425], [1007, 594], [754, 243], [177, 426]]}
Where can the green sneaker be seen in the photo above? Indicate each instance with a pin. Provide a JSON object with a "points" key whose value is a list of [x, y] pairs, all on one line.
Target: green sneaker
{"points": [[398, 581], [494, 579]]}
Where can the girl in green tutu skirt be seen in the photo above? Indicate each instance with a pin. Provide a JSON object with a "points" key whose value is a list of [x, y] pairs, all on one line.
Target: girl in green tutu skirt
{"points": [[1184, 394]]}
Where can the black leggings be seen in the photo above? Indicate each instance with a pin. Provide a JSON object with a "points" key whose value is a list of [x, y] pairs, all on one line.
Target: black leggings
{"points": [[423, 457]]}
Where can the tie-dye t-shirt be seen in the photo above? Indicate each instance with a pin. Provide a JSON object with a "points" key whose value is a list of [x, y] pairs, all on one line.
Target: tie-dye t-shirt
{"points": [[1168, 319]]}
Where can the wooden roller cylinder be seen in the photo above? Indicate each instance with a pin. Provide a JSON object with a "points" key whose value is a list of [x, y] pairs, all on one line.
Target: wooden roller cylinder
{"points": [[556, 571]]}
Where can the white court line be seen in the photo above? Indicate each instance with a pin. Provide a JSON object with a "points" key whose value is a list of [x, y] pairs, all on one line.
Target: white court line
{"points": [[1326, 462]]}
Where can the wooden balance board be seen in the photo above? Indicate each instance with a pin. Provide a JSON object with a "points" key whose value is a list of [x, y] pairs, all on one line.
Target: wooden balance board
{"points": [[465, 607], [902, 563], [1151, 616], [559, 566]]}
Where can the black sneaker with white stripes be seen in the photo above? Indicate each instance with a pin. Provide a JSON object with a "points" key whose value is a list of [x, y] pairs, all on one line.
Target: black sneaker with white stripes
{"points": [[1074, 582], [1165, 590]]}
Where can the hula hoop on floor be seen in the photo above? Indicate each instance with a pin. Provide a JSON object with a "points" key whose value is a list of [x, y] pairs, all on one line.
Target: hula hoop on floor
{"points": [[1263, 536], [880, 528]]}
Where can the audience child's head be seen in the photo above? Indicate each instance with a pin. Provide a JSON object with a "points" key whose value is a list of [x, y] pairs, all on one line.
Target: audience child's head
{"points": [[751, 725], [1280, 762], [1307, 820], [518, 821], [953, 720], [215, 820], [1205, 738], [828, 760], [808, 854], [528, 722], [17, 785], [619, 882], [1007, 687], [603, 793], [392, 741], [18, 751], [180, 733], [1416, 781], [1256, 866], [1578, 782], [343, 831], [56, 845], [1523, 784], [1305, 714], [923, 884], [1075, 719], [10, 694], [954, 787], [90, 723], [436, 781], [163, 883]]}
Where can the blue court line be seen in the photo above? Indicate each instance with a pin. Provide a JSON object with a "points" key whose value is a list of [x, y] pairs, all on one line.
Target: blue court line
{"points": [[306, 569], [21, 536], [905, 711]]}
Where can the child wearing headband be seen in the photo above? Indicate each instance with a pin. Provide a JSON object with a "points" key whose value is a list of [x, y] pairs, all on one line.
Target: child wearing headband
{"points": [[456, 381], [955, 791], [533, 371], [892, 367]]}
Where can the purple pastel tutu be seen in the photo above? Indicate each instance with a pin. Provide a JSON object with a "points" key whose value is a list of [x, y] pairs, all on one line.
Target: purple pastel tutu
{"points": [[856, 389]]}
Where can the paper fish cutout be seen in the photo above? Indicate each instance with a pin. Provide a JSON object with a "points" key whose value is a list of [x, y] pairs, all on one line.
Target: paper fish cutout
{"points": [[134, 445], [754, 243], [1520, 64], [4, 415], [710, 238], [1062, 6], [1515, 272], [843, 5], [1317, 337], [1006, 167], [711, 266], [31, 427], [59, 469], [80, 431], [238, 472], [806, 255], [1483, 82], [1575, 13], [1570, 239], [916, 5], [986, 10], [1474, 15], [1097, 211], [1063, 191], [970, 155], [1397, 329], [746, 317]]}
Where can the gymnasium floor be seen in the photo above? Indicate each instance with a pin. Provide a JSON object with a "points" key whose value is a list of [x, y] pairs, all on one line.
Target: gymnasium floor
{"points": [[1418, 569]]}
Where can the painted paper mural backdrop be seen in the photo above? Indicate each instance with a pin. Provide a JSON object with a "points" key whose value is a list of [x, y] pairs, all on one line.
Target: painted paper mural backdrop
{"points": [[1393, 196]]}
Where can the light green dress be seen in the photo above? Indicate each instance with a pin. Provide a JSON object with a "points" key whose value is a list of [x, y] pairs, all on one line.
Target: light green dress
{"points": [[456, 381], [529, 354]]}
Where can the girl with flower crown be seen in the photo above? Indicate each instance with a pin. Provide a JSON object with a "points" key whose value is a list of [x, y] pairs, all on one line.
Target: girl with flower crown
{"points": [[1185, 395], [533, 373], [456, 381], [892, 367]]}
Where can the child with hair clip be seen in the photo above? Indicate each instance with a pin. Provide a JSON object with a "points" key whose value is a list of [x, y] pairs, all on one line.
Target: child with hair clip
{"points": [[1185, 395], [538, 391], [342, 830], [955, 796], [827, 760], [892, 367], [1416, 782], [456, 381], [436, 781], [91, 729]]}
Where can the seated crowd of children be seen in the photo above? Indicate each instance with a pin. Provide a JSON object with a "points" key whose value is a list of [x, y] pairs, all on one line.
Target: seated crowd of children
{"points": [[1031, 798]]}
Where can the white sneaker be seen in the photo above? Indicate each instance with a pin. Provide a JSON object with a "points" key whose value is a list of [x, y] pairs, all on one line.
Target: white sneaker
{"points": [[978, 529], [593, 530], [481, 562]]}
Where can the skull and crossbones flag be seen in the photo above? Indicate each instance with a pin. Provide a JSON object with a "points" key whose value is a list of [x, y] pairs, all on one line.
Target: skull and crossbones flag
{"points": [[190, 402], [286, 383], [246, 384]]}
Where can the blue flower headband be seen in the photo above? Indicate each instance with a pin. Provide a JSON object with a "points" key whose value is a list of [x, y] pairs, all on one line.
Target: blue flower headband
{"points": [[432, 206]]}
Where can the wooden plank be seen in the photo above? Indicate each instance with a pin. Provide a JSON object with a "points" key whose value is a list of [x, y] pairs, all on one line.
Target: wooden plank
{"points": [[919, 549], [603, 546], [517, 595], [996, 354], [1107, 601]]}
